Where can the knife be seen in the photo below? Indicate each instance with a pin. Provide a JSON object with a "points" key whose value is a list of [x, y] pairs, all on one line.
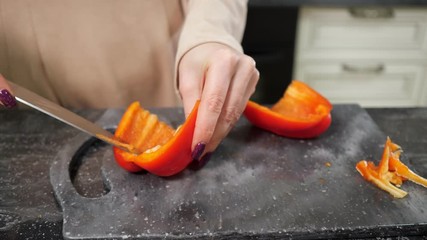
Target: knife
{"points": [[52, 109]]}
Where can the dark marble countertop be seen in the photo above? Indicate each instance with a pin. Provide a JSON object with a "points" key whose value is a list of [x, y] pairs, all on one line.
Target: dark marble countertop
{"points": [[29, 140]]}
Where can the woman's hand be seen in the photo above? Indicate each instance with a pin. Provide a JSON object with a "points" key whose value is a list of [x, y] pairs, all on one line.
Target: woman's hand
{"points": [[223, 79], [6, 98]]}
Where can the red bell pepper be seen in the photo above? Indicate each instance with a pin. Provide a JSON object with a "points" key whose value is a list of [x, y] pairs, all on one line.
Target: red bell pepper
{"points": [[163, 151], [400, 169], [300, 113], [390, 171], [369, 173]]}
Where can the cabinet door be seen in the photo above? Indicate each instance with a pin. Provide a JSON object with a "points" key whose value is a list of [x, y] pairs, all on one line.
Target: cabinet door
{"points": [[340, 28], [370, 84], [337, 32]]}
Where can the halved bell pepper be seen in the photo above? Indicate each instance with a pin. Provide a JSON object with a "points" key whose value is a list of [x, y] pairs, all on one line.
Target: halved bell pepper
{"points": [[163, 151], [300, 113], [391, 172]]}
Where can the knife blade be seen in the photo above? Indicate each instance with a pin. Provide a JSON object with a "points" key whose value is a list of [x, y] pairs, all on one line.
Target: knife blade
{"points": [[52, 109]]}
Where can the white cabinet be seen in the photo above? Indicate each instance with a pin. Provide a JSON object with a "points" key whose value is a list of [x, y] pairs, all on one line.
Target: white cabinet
{"points": [[376, 57]]}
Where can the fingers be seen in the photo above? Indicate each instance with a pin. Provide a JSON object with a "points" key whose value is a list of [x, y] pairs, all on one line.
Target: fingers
{"points": [[191, 88], [218, 77], [6, 97], [241, 88], [223, 79], [228, 86]]}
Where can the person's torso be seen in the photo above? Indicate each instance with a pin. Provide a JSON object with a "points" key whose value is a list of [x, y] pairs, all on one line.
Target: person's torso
{"points": [[99, 53]]}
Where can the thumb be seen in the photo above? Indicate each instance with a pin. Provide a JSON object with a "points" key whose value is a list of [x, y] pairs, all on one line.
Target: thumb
{"points": [[190, 87]]}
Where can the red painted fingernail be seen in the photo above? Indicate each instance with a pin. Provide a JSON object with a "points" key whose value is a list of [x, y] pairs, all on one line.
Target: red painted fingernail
{"points": [[7, 99], [205, 159], [196, 165], [198, 151]]}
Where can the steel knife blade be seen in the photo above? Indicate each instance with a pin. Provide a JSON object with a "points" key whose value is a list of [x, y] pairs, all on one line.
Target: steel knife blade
{"points": [[54, 110]]}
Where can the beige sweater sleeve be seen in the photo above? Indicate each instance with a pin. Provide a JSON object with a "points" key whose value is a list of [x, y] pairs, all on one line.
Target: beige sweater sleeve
{"points": [[221, 21]]}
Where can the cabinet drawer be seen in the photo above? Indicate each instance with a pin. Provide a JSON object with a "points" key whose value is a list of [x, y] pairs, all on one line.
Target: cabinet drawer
{"points": [[363, 28], [368, 84]]}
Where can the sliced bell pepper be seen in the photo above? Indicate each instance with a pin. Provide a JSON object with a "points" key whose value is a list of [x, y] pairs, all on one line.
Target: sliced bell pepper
{"points": [[163, 151], [300, 113], [391, 172], [370, 174], [403, 171]]}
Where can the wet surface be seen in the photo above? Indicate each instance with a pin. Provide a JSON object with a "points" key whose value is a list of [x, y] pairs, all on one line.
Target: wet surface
{"points": [[202, 203]]}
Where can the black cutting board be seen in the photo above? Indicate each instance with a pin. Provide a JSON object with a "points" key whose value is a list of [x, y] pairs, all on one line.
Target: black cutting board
{"points": [[256, 184]]}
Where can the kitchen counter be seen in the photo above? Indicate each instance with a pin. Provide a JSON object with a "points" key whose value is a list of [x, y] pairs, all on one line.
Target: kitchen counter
{"points": [[29, 142]]}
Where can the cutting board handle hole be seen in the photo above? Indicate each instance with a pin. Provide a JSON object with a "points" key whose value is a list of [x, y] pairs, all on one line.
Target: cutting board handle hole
{"points": [[85, 170]]}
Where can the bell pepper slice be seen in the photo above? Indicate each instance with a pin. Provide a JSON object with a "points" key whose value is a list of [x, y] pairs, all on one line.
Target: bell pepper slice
{"points": [[370, 174], [403, 171], [163, 151], [300, 113], [391, 172]]}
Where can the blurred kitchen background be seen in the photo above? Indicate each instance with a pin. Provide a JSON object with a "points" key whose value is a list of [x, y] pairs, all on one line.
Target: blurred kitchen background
{"points": [[373, 53]]}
